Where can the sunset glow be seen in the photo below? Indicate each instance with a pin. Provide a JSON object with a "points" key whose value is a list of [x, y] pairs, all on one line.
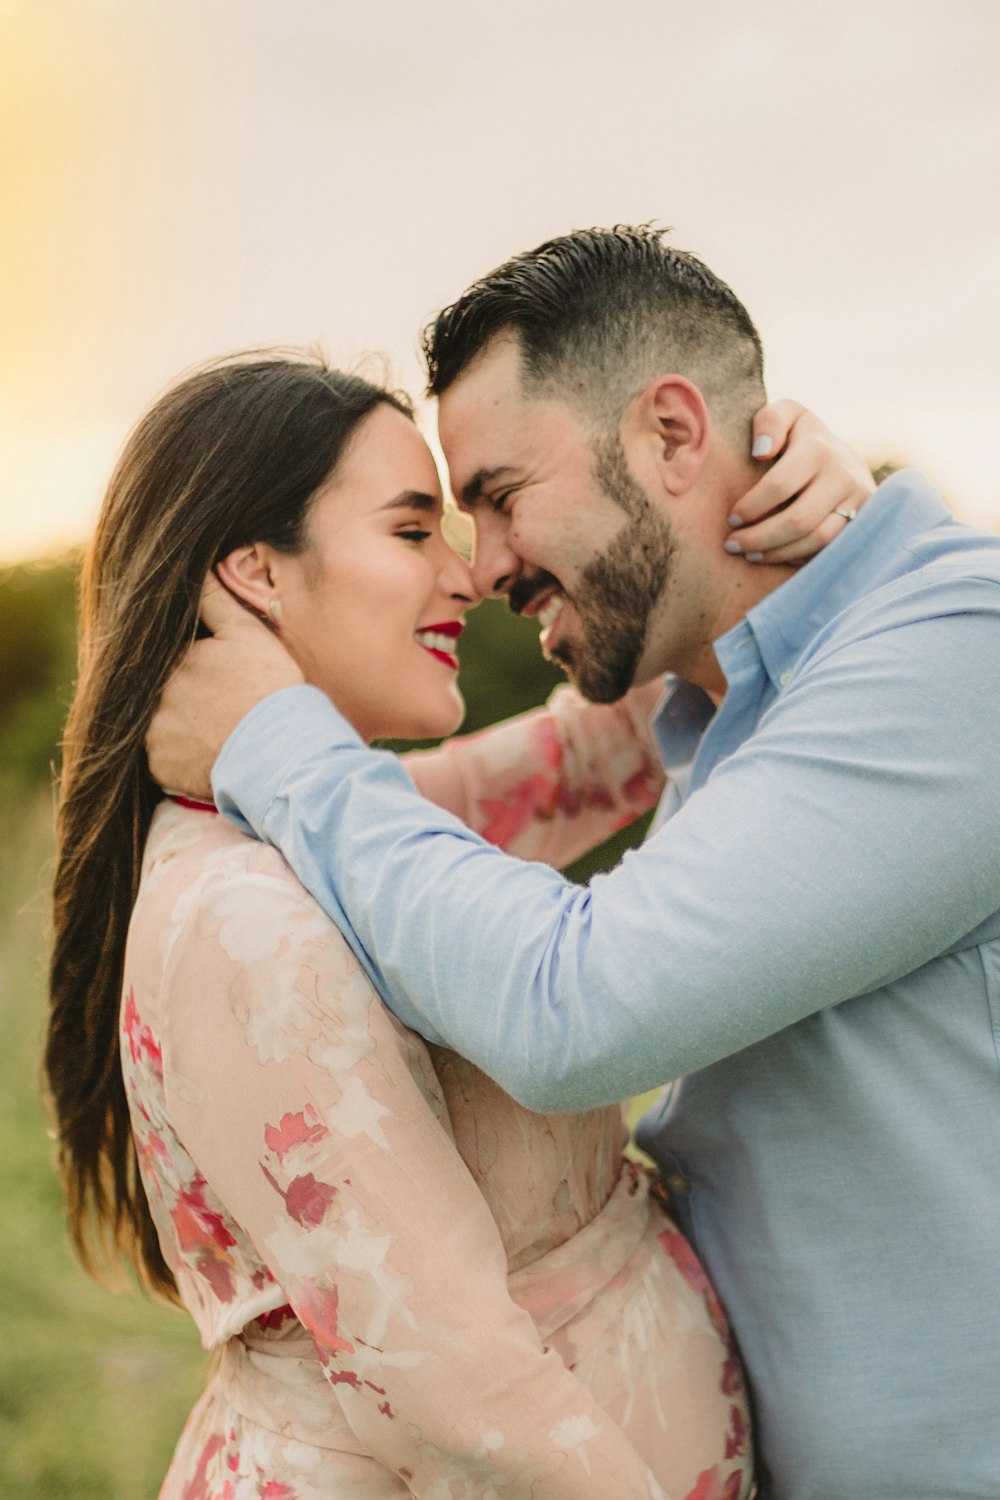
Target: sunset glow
{"points": [[178, 180]]}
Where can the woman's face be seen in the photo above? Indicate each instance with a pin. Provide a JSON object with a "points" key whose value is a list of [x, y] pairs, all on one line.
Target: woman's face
{"points": [[373, 607]]}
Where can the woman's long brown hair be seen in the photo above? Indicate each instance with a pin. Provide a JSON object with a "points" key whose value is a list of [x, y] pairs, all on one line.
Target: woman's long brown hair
{"points": [[231, 455]]}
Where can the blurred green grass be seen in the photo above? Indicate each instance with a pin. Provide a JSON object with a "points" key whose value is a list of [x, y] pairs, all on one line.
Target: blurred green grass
{"points": [[94, 1386]]}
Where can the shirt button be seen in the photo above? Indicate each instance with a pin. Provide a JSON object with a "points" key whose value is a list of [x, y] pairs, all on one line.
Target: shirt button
{"points": [[677, 1182], [783, 679]]}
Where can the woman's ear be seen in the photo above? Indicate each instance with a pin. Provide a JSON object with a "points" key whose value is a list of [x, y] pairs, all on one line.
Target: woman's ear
{"points": [[246, 572]]}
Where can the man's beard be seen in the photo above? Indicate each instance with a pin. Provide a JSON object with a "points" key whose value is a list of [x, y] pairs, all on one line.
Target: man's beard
{"points": [[619, 589]]}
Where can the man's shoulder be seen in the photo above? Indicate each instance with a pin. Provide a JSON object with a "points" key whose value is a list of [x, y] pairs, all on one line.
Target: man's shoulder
{"points": [[955, 549], [953, 570]]}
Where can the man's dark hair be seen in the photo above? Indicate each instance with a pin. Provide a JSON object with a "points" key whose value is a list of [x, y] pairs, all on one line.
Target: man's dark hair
{"points": [[600, 312]]}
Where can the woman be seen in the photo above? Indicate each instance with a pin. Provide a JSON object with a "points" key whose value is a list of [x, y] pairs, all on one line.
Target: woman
{"points": [[417, 1287]]}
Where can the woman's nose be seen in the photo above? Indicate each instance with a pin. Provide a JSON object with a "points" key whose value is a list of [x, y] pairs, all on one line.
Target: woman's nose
{"points": [[457, 578]]}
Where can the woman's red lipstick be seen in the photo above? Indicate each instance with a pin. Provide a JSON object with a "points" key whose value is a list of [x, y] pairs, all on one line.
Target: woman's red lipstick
{"points": [[433, 635]]}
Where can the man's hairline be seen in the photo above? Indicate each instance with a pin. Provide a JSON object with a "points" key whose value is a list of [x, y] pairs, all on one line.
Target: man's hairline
{"points": [[598, 427], [533, 387]]}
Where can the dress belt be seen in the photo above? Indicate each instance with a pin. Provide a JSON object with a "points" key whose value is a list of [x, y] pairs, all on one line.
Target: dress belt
{"points": [[558, 1286], [279, 1384]]}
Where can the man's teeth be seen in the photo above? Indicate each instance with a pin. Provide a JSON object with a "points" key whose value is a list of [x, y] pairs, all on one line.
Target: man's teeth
{"points": [[435, 642], [550, 613]]}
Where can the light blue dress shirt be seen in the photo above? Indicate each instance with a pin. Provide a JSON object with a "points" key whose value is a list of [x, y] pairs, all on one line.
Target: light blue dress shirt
{"points": [[811, 936]]}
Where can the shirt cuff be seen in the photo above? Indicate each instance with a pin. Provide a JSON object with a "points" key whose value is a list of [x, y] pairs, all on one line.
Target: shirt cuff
{"points": [[283, 731]]}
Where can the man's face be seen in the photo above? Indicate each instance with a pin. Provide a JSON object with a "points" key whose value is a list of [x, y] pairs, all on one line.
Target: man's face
{"points": [[562, 527]]}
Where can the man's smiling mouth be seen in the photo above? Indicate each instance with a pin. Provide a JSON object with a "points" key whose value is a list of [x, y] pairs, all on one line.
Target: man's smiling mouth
{"points": [[540, 598], [551, 610], [548, 617]]}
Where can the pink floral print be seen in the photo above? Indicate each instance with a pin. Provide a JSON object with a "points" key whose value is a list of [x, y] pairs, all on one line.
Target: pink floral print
{"points": [[416, 1286], [553, 783]]}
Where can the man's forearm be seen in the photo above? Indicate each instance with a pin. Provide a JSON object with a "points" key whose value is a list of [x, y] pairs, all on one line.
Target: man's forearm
{"points": [[812, 867]]}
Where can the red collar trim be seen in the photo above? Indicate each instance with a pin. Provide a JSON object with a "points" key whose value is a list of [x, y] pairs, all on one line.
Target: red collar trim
{"points": [[192, 802]]}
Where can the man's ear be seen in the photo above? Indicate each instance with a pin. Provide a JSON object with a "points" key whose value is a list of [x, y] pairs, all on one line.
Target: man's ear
{"points": [[246, 572], [671, 421]]}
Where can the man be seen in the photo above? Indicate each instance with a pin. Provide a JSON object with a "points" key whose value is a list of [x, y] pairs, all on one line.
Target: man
{"points": [[812, 934]]}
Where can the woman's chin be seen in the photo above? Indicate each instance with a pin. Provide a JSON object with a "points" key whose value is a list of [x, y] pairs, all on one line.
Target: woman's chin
{"points": [[430, 724], [434, 726]]}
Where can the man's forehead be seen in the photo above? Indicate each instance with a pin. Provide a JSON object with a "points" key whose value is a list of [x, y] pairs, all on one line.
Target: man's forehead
{"points": [[494, 433], [482, 420], [488, 390]]}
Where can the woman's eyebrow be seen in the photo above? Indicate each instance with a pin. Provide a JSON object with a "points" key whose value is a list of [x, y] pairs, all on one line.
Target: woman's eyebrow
{"points": [[412, 500]]}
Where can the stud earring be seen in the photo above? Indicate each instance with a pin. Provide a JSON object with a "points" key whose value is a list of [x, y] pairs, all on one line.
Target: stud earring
{"points": [[275, 610]]}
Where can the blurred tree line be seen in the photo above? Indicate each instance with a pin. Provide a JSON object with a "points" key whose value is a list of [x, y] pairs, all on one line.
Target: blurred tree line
{"points": [[37, 668], [503, 670], [503, 673]]}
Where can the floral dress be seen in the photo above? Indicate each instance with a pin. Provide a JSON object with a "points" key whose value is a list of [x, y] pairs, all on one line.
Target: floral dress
{"points": [[414, 1285]]}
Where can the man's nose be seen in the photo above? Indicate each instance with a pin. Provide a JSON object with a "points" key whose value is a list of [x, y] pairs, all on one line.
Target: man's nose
{"points": [[495, 565]]}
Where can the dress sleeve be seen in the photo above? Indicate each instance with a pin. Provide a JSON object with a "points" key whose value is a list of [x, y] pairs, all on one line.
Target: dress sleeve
{"points": [[316, 1118], [553, 783]]}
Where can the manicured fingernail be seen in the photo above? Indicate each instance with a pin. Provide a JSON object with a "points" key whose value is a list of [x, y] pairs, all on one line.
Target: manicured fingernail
{"points": [[755, 557], [734, 522], [732, 545], [762, 446]]}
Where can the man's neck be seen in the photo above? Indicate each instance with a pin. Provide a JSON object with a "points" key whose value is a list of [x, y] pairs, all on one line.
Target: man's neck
{"points": [[726, 594]]}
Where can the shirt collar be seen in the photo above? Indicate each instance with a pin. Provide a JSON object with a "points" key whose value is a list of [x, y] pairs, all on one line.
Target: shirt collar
{"points": [[679, 721], [871, 551]]}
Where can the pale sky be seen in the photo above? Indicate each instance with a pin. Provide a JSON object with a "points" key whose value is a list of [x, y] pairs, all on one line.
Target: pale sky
{"points": [[183, 178]]}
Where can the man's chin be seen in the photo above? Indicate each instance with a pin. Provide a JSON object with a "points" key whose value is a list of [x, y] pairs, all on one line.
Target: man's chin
{"points": [[592, 679], [563, 655]]}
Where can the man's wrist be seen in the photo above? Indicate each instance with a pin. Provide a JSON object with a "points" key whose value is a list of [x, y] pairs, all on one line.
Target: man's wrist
{"points": [[286, 729]]}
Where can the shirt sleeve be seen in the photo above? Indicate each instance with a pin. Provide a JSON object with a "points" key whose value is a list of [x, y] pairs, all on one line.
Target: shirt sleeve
{"points": [[317, 1121], [553, 783], [849, 840]]}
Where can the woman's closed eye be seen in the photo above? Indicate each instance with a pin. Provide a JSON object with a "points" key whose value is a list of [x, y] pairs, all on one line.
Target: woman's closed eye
{"points": [[414, 534]]}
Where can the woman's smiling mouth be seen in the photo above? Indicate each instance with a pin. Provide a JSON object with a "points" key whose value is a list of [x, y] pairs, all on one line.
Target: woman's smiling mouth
{"points": [[437, 639]]}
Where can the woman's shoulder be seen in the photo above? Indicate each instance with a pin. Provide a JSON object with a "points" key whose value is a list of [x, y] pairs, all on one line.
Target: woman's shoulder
{"points": [[188, 834], [210, 895], [229, 952], [195, 852]]}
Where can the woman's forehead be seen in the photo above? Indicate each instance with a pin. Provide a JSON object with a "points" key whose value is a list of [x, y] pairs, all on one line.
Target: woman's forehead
{"points": [[386, 461]]}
